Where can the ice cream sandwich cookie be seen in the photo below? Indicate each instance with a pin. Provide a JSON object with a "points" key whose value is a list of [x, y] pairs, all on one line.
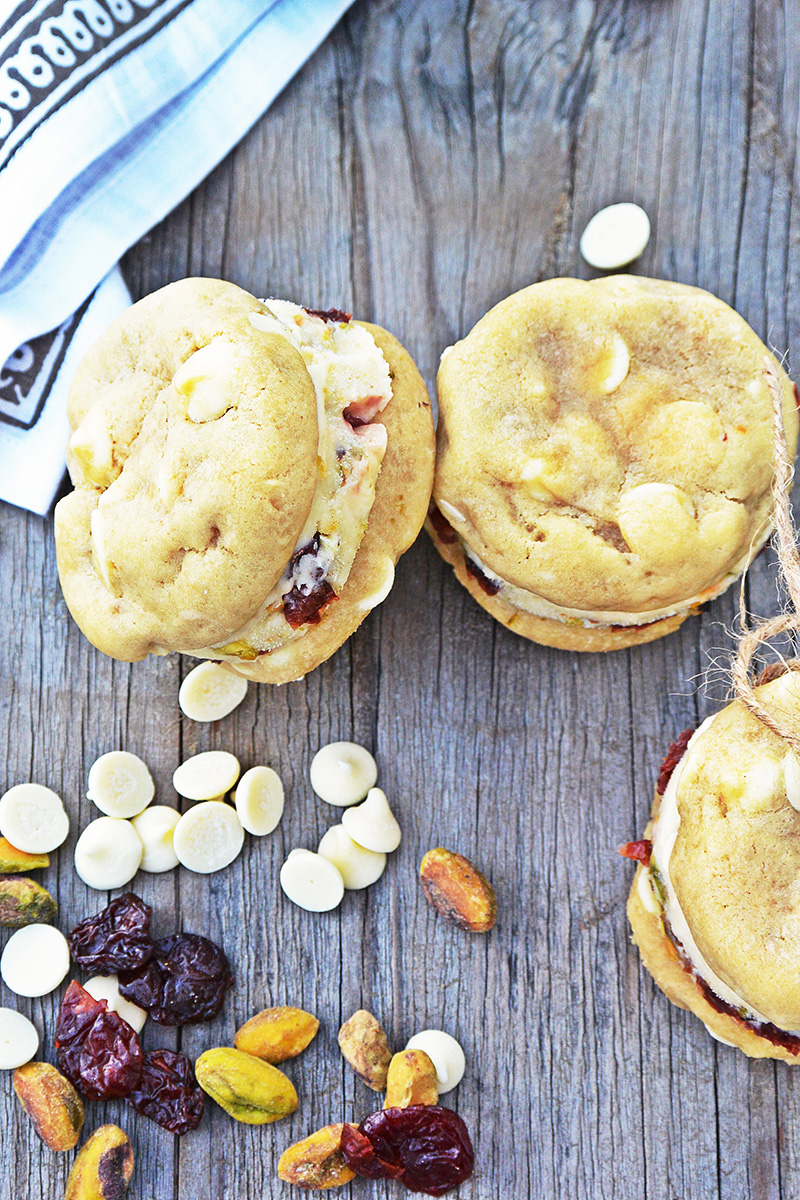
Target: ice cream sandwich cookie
{"points": [[715, 902], [246, 476], [604, 458]]}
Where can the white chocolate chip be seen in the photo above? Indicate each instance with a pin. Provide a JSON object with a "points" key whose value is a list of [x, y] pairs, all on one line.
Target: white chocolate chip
{"points": [[791, 772], [358, 867], [533, 477], [106, 987], [342, 773], [19, 1039], [311, 881], [615, 236], [379, 595], [208, 380], [210, 692], [259, 800], [616, 366], [373, 824], [108, 853], [155, 827], [35, 960], [445, 1053], [206, 776], [646, 894], [450, 511], [208, 837], [120, 784], [33, 818]]}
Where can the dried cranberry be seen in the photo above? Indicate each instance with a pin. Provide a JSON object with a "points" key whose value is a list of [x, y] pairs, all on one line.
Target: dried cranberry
{"points": [[168, 1092], [304, 604], [116, 939], [185, 981], [360, 1155], [111, 1059], [330, 314], [425, 1146], [637, 851], [444, 530], [490, 586], [675, 753], [97, 1050]]}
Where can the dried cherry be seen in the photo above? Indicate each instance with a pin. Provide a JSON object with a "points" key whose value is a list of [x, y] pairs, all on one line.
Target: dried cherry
{"points": [[167, 1091], [637, 851], [330, 314], [97, 1050], [185, 980], [116, 939], [425, 1146], [675, 753], [305, 602], [490, 586], [444, 530], [360, 1155]]}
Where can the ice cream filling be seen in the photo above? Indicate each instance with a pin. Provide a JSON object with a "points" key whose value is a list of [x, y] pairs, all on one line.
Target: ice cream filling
{"points": [[538, 606], [665, 832], [353, 385]]}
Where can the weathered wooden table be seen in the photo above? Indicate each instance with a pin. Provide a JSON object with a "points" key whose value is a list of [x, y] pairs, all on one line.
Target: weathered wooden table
{"points": [[430, 159]]}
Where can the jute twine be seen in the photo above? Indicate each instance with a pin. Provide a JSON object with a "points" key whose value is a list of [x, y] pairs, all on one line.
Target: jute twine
{"points": [[789, 562]]}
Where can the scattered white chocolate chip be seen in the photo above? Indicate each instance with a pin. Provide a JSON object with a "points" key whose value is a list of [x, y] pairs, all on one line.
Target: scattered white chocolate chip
{"points": [[206, 776], [35, 960], [791, 773], [155, 827], [19, 1039], [259, 800], [311, 881], [342, 773], [382, 591], [106, 987], [108, 853], [33, 818], [445, 1053], [210, 692], [373, 824], [120, 784], [208, 380], [615, 236], [208, 837], [358, 867]]}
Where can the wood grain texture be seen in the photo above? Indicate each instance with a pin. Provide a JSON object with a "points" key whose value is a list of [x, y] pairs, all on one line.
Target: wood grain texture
{"points": [[430, 159]]}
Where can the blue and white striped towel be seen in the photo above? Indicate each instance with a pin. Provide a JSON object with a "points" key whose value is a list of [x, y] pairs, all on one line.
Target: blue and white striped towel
{"points": [[111, 112]]}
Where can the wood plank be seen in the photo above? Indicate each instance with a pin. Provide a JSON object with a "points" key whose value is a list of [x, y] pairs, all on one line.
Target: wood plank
{"points": [[427, 161]]}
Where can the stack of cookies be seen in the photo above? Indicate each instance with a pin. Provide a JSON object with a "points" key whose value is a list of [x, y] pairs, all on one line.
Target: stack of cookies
{"points": [[246, 476]]}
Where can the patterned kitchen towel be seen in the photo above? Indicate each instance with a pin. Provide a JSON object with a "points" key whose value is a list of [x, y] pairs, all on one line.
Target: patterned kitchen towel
{"points": [[111, 112]]}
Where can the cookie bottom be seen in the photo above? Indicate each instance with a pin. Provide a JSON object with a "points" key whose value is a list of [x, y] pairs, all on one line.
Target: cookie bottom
{"points": [[661, 959], [402, 495], [544, 630]]}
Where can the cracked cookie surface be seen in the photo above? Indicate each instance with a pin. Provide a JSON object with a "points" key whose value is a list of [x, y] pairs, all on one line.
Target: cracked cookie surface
{"points": [[607, 446]]}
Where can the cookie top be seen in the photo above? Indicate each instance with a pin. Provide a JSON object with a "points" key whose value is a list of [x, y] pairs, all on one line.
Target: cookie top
{"points": [[608, 445], [194, 460], [735, 862]]}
